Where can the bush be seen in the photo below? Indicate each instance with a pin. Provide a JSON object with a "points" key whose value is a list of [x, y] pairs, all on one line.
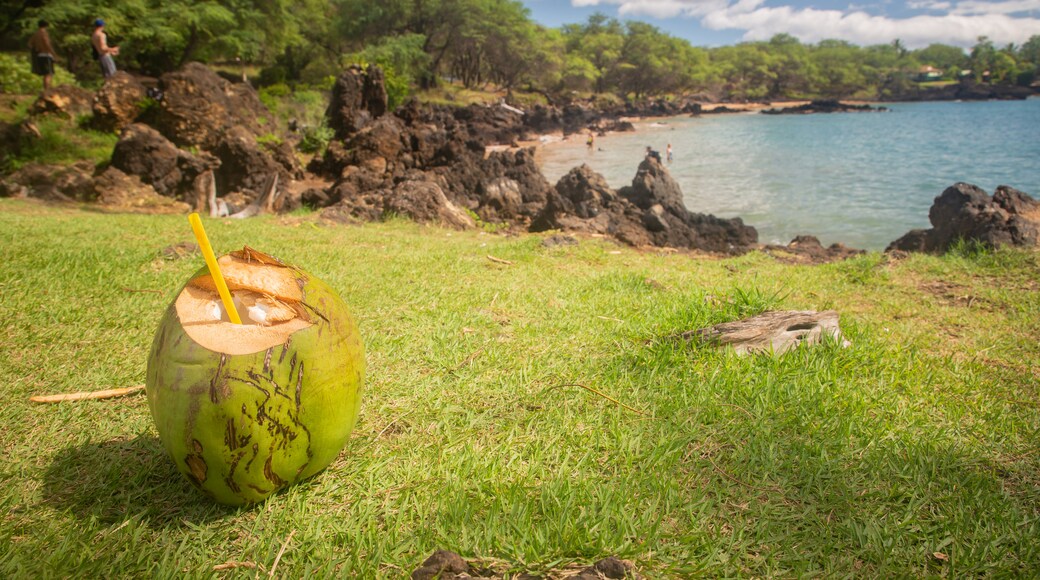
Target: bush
{"points": [[61, 142], [315, 139], [272, 95], [16, 76]]}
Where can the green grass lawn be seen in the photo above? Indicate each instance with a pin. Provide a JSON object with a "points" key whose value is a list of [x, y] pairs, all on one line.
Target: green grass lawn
{"points": [[913, 452]]}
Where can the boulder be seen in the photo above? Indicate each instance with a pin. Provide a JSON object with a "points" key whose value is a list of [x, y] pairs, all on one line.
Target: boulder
{"points": [[442, 565], [55, 183], [654, 185], [584, 192], [118, 191], [63, 100], [611, 568], [808, 249], [245, 164], [373, 92], [144, 152], [118, 102], [965, 212], [650, 212], [425, 202], [358, 97], [198, 107], [504, 186], [670, 224], [492, 124], [824, 106]]}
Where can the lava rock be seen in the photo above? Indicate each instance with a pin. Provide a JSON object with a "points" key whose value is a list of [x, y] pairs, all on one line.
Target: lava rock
{"points": [[965, 212]]}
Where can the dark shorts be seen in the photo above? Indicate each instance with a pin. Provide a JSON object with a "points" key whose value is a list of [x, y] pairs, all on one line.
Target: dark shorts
{"points": [[43, 64]]}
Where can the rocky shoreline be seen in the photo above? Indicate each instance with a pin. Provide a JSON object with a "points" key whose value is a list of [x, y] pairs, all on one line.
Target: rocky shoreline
{"points": [[199, 145]]}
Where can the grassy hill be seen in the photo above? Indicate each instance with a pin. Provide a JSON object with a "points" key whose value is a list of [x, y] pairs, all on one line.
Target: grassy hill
{"points": [[534, 411]]}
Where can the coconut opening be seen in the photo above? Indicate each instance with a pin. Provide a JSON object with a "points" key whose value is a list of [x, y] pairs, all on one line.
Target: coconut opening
{"points": [[268, 299]]}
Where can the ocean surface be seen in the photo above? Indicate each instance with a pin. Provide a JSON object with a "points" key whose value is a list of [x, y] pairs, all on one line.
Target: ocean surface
{"points": [[863, 179]]}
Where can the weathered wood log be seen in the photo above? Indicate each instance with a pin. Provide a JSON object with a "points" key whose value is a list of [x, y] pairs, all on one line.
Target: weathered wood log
{"points": [[264, 203], [775, 331]]}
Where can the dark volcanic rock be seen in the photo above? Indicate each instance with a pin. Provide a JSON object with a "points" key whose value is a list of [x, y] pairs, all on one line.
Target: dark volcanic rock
{"points": [[808, 249], [504, 186], [358, 97], [585, 192], [491, 124], [245, 164], [363, 196], [51, 182], [425, 202], [963, 211], [144, 152], [650, 212], [824, 106], [441, 565], [610, 567], [118, 102], [653, 185], [665, 215], [199, 107], [118, 191], [63, 100]]}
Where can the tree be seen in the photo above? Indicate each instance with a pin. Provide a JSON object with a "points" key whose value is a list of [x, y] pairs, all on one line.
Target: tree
{"points": [[158, 35], [792, 68], [950, 59], [598, 42], [983, 55]]}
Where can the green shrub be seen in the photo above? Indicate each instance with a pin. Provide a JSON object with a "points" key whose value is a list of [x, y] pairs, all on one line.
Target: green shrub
{"points": [[16, 75], [273, 75], [315, 139], [269, 139], [272, 95], [62, 144]]}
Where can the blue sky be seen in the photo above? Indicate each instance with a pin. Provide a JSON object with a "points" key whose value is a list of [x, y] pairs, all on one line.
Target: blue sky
{"points": [[917, 23]]}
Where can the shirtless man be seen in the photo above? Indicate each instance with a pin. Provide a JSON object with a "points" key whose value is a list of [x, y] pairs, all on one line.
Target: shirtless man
{"points": [[105, 52], [42, 54]]}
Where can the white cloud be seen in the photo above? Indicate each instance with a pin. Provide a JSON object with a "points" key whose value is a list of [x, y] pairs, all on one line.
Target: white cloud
{"points": [[957, 23], [1009, 7], [659, 8], [811, 25]]}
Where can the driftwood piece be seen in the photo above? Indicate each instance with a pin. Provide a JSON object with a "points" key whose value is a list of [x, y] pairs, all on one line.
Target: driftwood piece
{"points": [[206, 185], [87, 395], [264, 203], [775, 331], [206, 189]]}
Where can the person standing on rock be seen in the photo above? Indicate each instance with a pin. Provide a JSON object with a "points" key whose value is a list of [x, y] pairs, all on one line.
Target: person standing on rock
{"points": [[42, 54], [652, 154], [103, 53]]}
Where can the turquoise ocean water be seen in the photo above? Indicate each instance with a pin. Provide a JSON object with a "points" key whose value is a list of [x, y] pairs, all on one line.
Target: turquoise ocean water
{"points": [[863, 179]]}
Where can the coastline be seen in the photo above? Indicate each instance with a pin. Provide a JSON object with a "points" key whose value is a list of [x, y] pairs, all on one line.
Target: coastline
{"points": [[792, 176]]}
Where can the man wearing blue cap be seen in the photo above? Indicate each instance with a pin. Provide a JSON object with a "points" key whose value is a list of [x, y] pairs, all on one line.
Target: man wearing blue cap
{"points": [[103, 52]]}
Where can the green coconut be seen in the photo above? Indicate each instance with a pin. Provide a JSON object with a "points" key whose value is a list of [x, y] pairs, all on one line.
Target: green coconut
{"points": [[247, 409]]}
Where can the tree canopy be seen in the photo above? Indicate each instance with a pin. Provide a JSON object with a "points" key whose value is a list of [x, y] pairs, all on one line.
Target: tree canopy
{"points": [[481, 43]]}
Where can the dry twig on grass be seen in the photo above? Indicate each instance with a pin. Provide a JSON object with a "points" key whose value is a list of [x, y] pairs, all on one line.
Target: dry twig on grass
{"points": [[499, 260], [234, 565], [87, 395], [607, 397]]}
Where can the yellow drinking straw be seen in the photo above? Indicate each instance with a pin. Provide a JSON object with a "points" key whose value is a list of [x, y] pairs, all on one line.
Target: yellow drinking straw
{"points": [[214, 269]]}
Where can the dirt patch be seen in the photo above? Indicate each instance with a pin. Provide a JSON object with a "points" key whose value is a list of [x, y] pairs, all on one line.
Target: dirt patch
{"points": [[809, 250], [446, 565], [951, 294]]}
